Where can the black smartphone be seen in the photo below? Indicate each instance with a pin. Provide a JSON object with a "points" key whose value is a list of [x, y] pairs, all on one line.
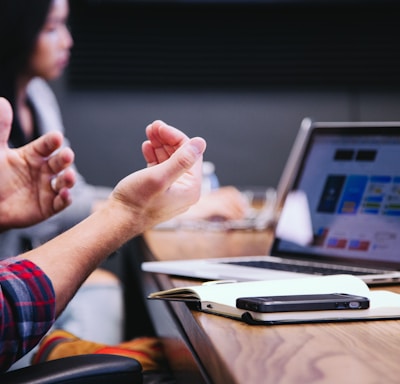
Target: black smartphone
{"points": [[318, 302]]}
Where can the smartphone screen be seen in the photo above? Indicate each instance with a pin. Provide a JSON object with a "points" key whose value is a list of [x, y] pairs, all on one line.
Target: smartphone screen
{"points": [[318, 302]]}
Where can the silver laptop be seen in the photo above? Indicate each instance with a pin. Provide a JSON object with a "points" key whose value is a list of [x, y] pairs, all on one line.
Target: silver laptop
{"points": [[349, 174]]}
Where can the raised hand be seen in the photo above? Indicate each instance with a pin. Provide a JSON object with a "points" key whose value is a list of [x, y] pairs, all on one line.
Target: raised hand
{"points": [[35, 180], [172, 181], [139, 201]]}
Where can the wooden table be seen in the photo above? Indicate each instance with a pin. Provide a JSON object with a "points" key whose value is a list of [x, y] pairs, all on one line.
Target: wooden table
{"points": [[206, 348]]}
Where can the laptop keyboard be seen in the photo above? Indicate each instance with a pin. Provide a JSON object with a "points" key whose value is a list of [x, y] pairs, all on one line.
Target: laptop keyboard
{"points": [[300, 268]]}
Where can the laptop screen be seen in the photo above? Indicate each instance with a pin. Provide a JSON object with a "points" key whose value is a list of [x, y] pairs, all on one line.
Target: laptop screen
{"points": [[351, 178]]}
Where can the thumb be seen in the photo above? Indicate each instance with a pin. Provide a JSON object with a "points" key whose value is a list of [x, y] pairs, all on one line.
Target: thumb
{"points": [[6, 116], [184, 159]]}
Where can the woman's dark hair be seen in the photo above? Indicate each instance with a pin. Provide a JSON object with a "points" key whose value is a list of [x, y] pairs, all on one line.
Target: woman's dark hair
{"points": [[20, 24]]}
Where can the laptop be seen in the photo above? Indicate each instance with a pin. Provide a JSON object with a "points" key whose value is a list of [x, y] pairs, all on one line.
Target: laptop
{"points": [[343, 179]]}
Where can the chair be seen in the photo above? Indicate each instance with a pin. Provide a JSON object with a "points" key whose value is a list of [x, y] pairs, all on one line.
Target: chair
{"points": [[82, 369]]}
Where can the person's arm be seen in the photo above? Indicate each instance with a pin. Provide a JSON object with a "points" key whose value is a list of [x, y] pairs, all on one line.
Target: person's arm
{"points": [[169, 186], [224, 203], [35, 180]]}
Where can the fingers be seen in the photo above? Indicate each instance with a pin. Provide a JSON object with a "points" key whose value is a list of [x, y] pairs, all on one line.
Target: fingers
{"points": [[177, 156], [61, 185], [61, 160], [62, 200], [6, 116], [185, 159], [63, 180], [149, 154], [163, 141], [46, 144], [160, 134], [65, 177]]}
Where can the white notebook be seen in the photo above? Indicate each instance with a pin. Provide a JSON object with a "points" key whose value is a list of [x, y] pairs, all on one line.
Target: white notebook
{"points": [[219, 298]]}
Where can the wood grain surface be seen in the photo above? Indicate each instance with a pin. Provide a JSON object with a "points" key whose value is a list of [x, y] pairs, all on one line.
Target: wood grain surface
{"points": [[233, 352]]}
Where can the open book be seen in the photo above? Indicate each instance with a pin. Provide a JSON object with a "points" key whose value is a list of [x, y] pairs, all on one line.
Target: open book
{"points": [[219, 298]]}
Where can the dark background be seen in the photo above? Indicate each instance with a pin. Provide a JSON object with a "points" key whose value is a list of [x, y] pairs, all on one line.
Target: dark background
{"points": [[242, 74]]}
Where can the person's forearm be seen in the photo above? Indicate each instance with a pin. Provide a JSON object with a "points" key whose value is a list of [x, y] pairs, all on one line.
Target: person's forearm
{"points": [[68, 259], [138, 202]]}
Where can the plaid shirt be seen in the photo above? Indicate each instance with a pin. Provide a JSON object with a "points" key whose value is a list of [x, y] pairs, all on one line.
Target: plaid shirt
{"points": [[27, 308]]}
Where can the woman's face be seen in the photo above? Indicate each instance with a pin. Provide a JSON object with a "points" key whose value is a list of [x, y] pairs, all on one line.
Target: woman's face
{"points": [[52, 50]]}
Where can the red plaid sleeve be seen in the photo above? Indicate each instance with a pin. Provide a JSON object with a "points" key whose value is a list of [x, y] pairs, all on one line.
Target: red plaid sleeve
{"points": [[27, 308]]}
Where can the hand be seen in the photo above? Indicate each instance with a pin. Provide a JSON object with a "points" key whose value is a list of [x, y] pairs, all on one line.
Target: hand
{"points": [[225, 203], [172, 181], [168, 186], [32, 187], [163, 141]]}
